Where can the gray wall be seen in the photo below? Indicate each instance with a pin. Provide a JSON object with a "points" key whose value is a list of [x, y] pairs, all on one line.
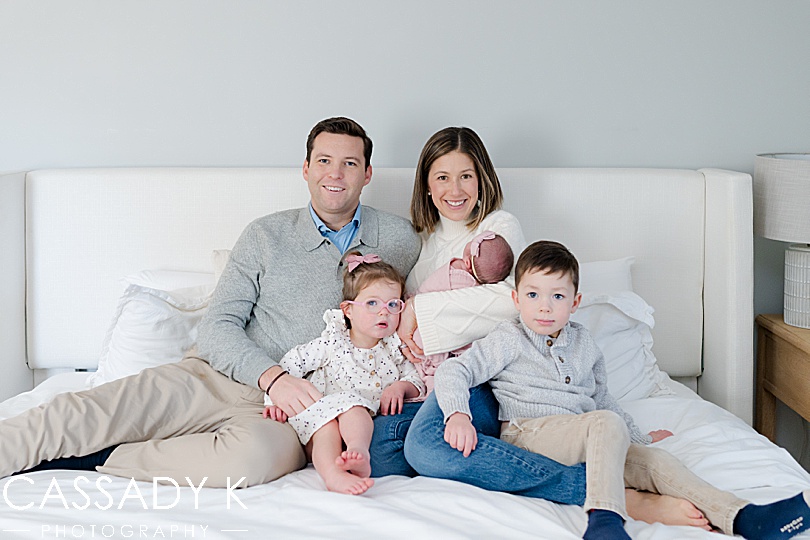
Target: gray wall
{"points": [[575, 83]]}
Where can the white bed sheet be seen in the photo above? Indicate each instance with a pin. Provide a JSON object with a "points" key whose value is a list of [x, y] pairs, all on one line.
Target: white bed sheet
{"points": [[715, 444]]}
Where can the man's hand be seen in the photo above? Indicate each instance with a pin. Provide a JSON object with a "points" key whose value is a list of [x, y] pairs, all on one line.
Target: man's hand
{"points": [[291, 394], [407, 327], [460, 433], [274, 413]]}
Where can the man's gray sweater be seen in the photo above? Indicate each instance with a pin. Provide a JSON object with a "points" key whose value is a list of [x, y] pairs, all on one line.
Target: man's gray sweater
{"points": [[281, 277]]}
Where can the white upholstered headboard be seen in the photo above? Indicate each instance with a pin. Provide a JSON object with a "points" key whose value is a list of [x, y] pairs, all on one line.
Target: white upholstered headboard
{"points": [[70, 235]]}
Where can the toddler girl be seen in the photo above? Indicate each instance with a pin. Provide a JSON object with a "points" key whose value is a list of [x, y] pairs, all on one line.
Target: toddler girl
{"points": [[357, 365]]}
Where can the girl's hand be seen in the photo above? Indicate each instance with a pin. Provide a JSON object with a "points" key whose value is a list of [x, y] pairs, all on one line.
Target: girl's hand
{"points": [[274, 413], [405, 330], [393, 397], [460, 433], [660, 435]]}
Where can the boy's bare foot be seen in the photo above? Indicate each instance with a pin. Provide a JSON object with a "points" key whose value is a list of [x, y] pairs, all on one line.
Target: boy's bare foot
{"points": [[355, 461], [345, 482], [653, 508]]}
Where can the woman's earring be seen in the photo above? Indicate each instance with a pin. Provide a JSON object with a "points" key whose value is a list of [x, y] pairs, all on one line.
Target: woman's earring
{"points": [[428, 194]]}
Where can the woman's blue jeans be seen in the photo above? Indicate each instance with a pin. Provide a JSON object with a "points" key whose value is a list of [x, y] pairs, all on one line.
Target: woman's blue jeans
{"points": [[413, 443]]}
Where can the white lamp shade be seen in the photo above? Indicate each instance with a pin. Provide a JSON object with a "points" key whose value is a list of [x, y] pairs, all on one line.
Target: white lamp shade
{"points": [[782, 197]]}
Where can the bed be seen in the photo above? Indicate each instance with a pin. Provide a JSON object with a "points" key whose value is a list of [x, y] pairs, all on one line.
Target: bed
{"points": [[107, 271]]}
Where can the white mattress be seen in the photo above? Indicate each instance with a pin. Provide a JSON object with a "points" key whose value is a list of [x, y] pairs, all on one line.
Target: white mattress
{"points": [[712, 442]]}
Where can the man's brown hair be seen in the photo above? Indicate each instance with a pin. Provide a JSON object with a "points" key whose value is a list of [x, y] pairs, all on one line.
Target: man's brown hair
{"points": [[340, 125]]}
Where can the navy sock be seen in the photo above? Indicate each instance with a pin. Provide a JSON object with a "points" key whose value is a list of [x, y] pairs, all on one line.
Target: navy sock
{"points": [[774, 521], [605, 525], [78, 463]]}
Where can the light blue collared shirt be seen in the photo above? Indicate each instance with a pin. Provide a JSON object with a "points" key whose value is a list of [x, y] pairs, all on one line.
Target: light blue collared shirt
{"points": [[342, 238]]}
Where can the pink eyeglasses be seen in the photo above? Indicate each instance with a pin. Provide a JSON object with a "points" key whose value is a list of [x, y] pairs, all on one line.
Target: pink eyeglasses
{"points": [[394, 306]]}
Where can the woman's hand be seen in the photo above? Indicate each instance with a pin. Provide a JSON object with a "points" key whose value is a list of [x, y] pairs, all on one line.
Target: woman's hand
{"points": [[460, 433], [290, 394], [660, 435], [406, 329]]}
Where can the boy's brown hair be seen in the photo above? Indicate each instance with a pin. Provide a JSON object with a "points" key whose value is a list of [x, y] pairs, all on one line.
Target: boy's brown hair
{"points": [[550, 257]]}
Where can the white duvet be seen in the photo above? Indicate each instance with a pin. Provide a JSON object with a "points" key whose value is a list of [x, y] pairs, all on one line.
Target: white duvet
{"points": [[62, 504]]}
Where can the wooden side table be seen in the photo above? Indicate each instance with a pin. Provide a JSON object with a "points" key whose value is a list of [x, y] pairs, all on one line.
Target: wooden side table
{"points": [[783, 371]]}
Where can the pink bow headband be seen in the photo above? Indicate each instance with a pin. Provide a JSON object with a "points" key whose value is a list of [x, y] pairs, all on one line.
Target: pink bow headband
{"points": [[475, 244], [353, 261]]}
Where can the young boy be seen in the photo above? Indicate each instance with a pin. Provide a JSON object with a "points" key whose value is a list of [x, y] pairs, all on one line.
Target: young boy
{"points": [[550, 380]]}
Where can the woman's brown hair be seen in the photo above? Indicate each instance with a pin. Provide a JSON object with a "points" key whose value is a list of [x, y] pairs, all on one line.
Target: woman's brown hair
{"points": [[424, 214]]}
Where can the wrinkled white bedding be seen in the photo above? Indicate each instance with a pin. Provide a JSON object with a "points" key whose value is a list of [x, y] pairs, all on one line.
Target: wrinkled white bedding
{"points": [[712, 442]]}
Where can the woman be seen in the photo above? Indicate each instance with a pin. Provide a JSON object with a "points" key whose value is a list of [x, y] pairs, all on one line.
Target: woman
{"points": [[456, 196]]}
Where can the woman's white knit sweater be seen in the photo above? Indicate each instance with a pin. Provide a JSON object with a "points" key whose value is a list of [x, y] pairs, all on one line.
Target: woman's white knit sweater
{"points": [[450, 319]]}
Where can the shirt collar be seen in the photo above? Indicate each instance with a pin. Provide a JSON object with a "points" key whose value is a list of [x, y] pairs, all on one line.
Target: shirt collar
{"points": [[323, 228]]}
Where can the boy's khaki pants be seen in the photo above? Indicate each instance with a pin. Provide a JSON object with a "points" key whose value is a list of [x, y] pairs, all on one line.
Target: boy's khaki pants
{"points": [[564, 438], [178, 420]]}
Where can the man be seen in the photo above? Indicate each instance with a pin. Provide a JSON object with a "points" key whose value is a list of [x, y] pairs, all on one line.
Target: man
{"points": [[202, 417]]}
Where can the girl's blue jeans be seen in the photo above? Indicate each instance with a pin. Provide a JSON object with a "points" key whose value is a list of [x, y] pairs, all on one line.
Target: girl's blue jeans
{"points": [[412, 443]]}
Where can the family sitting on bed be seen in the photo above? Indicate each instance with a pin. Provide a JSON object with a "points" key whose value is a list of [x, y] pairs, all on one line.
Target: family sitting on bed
{"points": [[202, 417]]}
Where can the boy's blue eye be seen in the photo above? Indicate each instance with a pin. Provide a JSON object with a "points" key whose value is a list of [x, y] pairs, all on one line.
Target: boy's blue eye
{"points": [[532, 295], [558, 296]]}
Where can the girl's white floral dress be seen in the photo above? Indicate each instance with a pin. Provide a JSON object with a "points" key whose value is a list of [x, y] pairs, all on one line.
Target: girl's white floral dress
{"points": [[346, 375]]}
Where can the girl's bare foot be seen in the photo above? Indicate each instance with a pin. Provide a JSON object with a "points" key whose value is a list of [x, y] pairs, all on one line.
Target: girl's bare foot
{"points": [[654, 508], [356, 461], [344, 482]]}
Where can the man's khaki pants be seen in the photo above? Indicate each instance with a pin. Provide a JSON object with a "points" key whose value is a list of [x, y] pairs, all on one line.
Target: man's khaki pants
{"points": [[563, 438], [183, 420]]}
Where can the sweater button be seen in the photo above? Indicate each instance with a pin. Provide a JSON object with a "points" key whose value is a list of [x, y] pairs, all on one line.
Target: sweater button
{"points": [[568, 380], [549, 342], [561, 359]]}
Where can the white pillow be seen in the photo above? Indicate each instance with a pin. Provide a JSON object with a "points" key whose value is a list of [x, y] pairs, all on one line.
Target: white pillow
{"points": [[620, 323], [169, 280], [219, 258], [601, 277], [151, 327]]}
